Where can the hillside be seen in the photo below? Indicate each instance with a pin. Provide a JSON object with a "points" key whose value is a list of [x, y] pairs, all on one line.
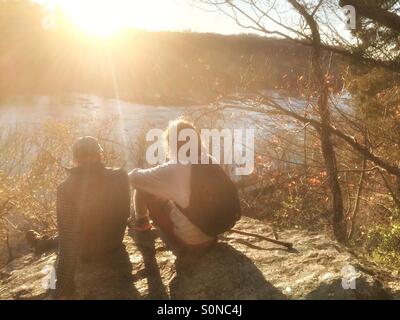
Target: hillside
{"points": [[141, 66], [239, 267]]}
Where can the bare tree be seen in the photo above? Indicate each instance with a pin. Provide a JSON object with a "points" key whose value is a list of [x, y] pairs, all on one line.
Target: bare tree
{"points": [[310, 23]]}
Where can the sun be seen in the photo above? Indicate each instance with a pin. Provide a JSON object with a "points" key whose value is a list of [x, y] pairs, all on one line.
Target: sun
{"points": [[98, 17], [105, 18]]}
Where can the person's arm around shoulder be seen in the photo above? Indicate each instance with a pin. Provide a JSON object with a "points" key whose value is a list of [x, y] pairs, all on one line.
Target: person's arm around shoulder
{"points": [[154, 180]]}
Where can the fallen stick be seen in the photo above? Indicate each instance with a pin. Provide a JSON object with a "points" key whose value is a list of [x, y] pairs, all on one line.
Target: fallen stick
{"points": [[288, 245]]}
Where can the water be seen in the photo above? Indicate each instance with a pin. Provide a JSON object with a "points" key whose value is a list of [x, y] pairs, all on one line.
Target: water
{"points": [[37, 110], [132, 120], [41, 109]]}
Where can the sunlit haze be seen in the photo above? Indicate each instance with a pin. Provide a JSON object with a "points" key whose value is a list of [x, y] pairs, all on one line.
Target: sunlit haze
{"points": [[105, 17]]}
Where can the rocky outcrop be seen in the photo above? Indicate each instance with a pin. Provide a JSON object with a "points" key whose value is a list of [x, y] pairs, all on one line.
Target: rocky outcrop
{"points": [[238, 267]]}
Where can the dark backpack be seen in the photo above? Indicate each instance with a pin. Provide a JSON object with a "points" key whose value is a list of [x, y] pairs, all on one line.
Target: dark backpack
{"points": [[214, 205]]}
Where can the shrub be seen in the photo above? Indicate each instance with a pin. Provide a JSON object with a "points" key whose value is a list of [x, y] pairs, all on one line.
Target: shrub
{"points": [[384, 244]]}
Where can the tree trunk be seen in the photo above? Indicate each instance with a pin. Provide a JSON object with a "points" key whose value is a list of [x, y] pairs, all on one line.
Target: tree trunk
{"points": [[328, 152]]}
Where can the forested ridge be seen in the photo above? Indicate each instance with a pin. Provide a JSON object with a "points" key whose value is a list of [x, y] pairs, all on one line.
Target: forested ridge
{"points": [[149, 67]]}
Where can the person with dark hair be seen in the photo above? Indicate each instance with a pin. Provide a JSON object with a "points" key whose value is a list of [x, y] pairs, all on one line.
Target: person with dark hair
{"points": [[93, 206]]}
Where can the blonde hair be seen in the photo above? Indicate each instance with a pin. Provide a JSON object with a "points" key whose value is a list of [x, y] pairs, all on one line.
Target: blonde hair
{"points": [[181, 124]]}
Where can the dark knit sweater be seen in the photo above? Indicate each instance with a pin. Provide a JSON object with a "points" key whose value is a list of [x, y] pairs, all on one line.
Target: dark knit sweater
{"points": [[93, 205]]}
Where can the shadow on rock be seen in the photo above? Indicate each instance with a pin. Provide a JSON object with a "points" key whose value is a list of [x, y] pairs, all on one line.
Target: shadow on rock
{"points": [[222, 272], [365, 290], [110, 279], [145, 242]]}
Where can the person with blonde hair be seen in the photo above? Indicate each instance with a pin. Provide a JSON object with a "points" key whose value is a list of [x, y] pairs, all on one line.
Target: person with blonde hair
{"points": [[185, 200], [158, 193]]}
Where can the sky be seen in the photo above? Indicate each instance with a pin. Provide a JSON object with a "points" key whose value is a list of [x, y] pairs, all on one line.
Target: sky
{"points": [[172, 15], [104, 17]]}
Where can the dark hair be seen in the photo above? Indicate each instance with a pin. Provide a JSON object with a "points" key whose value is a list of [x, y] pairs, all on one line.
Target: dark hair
{"points": [[87, 150]]}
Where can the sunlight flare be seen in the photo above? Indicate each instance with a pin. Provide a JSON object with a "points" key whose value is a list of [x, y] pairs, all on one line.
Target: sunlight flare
{"points": [[101, 18]]}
